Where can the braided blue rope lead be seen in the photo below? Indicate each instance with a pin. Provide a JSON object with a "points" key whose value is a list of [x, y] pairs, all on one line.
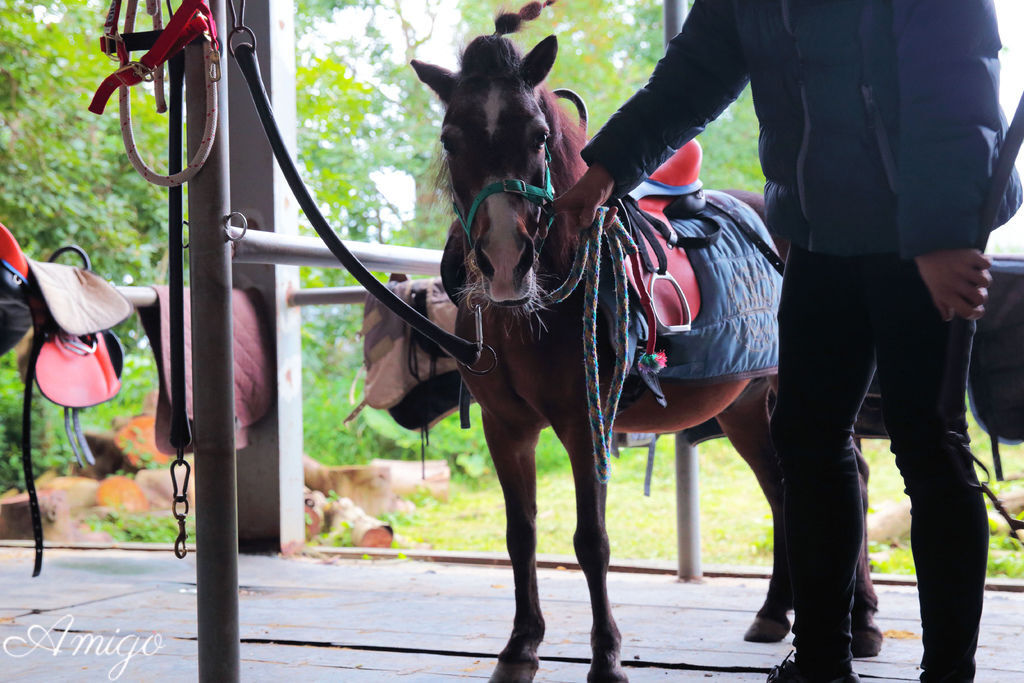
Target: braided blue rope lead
{"points": [[588, 260]]}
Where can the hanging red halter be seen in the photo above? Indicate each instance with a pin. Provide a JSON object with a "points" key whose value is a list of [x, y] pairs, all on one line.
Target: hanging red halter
{"points": [[193, 19]]}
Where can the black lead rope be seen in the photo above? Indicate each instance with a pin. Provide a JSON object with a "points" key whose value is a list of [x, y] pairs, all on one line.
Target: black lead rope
{"points": [[180, 433], [465, 352]]}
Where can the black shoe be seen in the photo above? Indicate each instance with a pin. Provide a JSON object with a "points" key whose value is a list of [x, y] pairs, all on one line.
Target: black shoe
{"points": [[789, 672]]}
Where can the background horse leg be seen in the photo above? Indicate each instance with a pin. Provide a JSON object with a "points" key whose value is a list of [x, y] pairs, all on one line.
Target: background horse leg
{"points": [[592, 551], [867, 637], [746, 424], [512, 451]]}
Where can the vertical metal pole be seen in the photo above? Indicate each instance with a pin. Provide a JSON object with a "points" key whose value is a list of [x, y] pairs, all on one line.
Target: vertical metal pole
{"points": [[687, 509], [213, 382], [687, 462], [674, 14]]}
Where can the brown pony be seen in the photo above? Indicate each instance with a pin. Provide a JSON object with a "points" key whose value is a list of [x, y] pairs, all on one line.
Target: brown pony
{"points": [[499, 119]]}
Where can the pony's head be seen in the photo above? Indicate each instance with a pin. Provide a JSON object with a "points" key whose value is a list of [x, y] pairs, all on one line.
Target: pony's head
{"points": [[507, 150]]}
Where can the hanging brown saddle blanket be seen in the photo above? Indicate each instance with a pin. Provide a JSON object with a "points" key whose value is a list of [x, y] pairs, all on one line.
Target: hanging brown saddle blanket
{"points": [[255, 367], [406, 373]]}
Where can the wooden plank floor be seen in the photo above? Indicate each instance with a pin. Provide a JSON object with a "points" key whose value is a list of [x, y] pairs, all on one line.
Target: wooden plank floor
{"points": [[383, 620]]}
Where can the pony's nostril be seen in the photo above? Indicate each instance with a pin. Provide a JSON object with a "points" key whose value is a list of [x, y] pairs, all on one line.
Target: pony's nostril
{"points": [[484, 263]]}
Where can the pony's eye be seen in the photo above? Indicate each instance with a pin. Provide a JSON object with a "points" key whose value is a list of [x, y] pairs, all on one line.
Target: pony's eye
{"points": [[540, 140], [448, 144]]}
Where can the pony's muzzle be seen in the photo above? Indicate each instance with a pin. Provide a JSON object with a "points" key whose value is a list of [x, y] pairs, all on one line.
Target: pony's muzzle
{"points": [[507, 269]]}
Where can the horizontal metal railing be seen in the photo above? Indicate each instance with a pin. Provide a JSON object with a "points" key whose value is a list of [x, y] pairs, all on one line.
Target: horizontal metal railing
{"points": [[255, 246]]}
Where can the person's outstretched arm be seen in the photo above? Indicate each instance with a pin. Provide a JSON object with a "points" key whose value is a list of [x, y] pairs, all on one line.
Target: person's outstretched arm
{"points": [[702, 72]]}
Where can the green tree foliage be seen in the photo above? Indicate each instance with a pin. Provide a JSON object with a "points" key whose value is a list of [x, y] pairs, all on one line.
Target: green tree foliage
{"points": [[64, 179], [65, 176], [367, 135]]}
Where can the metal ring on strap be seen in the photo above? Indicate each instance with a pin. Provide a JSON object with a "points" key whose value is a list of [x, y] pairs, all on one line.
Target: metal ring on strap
{"points": [[212, 60], [230, 235], [241, 30]]}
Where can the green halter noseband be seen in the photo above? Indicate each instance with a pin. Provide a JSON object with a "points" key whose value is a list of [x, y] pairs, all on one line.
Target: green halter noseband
{"points": [[542, 197]]}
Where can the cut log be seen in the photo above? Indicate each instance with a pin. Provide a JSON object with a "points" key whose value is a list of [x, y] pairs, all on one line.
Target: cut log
{"points": [[1014, 501], [367, 531], [16, 517], [890, 523], [407, 476], [315, 503], [368, 486]]}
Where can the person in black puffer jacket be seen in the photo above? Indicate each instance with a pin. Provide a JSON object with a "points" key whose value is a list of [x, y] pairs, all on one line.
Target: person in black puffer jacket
{"points": [[879, 128]]}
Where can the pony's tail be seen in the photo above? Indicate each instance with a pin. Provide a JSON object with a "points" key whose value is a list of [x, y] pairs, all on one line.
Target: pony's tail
{"points": [[510, 22]]}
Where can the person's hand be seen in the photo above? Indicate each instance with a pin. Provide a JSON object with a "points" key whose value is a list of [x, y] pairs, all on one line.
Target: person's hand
{"points": [[582, 200], [958, 281]]}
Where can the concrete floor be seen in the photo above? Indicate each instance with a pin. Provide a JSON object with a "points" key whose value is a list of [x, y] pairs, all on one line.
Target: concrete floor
{"points": [[380, 620]]}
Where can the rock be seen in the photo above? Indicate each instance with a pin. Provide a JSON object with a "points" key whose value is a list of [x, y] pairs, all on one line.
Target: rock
{"points": [[121, 493], [108, 456], [137, 440], [83, 534], [81, 491], [159, 490]]}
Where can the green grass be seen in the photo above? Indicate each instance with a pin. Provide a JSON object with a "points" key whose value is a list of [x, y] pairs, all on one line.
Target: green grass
{"points": [[736, 525], [735, 519]]}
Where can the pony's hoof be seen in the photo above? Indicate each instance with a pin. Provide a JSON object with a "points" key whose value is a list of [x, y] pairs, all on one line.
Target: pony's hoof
{"points": [[616, 675], [765, 630], [867, 642], [514, 672]]}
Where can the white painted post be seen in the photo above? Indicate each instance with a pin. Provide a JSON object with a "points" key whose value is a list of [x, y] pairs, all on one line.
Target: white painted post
{"points": [[687, 462], [270, 504]]}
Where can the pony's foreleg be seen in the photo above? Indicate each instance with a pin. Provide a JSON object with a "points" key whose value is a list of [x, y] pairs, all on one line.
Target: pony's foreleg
{"points": [[746, 423], [593, 552], [512, 451]]}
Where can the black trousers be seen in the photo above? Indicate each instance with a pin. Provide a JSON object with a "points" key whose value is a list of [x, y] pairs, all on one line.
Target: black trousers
{"points": [[840, 317]]}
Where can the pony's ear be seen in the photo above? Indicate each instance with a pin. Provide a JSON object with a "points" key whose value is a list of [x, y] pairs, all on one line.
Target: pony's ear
{"points": [[439, 79], [539, 61]]}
